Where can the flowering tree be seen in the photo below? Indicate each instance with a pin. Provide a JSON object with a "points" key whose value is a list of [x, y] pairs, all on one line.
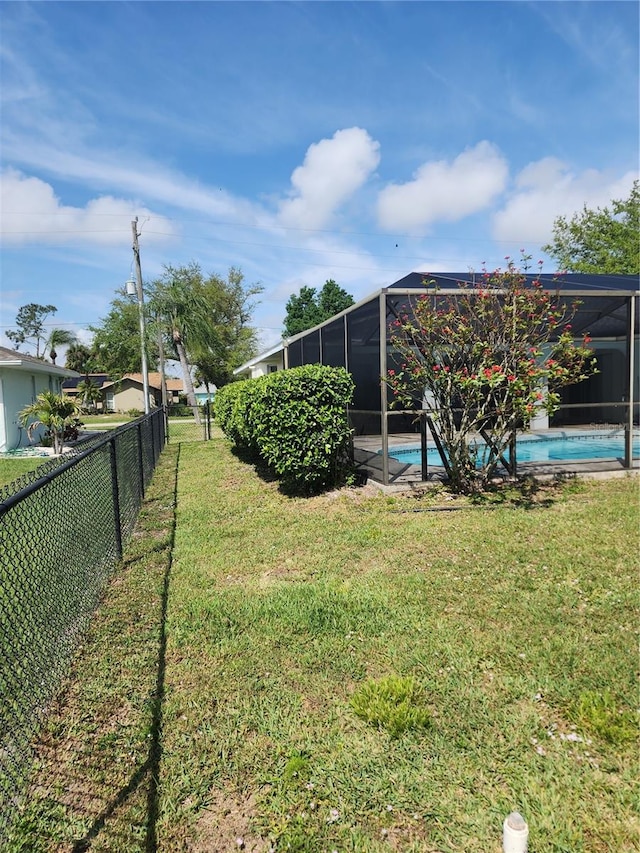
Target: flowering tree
{"points": [[483, 362]]}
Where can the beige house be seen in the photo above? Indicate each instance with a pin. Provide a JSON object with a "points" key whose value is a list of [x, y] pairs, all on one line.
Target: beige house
{"points": [[127, 394]]}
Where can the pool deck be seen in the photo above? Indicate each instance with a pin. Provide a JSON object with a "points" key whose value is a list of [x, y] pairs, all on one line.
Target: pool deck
{"points": [[403, 476]]}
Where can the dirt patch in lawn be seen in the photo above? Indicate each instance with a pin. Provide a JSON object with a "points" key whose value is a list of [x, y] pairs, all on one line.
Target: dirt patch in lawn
{"points": [[225, 825]]}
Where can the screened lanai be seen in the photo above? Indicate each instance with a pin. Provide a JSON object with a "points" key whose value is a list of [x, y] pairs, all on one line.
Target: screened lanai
{"points": [[607, 404]]}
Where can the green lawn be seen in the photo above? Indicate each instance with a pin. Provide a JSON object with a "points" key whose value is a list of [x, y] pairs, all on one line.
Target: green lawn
{"points": [[240, 678], [104, 420], [11, 469]]}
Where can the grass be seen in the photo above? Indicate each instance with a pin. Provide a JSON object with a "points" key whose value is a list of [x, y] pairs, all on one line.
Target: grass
{"points": [[391, 703], [11, 469], [180, 429], [345, 673], [110, 419]]}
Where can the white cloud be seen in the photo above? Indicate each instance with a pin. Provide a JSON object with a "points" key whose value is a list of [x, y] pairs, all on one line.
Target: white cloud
{"points": [[333, 170], [143, 179], [443, 191], [30, 212], [546, 189]]}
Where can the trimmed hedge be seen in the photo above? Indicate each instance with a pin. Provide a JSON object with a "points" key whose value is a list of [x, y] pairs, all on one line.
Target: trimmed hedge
{"points": [[296, 420], [231, 407]]}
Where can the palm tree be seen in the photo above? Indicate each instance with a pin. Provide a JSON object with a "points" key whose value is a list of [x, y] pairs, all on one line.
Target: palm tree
{"points": [[54, 411], [178, 303], [58, 338], [79, 358], [89, 392]]}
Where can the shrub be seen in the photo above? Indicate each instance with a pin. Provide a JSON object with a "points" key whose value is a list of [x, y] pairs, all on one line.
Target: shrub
{"points": [[295, 419], [72, 430], [179, 410], [300, 424], [231, 411]]}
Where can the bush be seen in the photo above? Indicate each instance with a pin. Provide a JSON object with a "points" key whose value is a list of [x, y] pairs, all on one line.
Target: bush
{"points": [[72, 430], [295, 419], [180, 410], [231, 411]]}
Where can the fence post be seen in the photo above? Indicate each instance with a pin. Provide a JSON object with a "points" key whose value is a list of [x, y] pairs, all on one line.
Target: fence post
{"points": [[116, 497], [140, 459], [423, 446], [151, 425]]}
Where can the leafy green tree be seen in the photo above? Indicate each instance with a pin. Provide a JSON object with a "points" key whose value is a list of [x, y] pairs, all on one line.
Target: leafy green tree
{"points": [[302, 312], [56, 412], [333, 299], [309, 308], [180, 308], [205, 321], [80, 358], [58, 338], [116, 341], [599, 241], [30, 322], [483, 362], [230, 340]]}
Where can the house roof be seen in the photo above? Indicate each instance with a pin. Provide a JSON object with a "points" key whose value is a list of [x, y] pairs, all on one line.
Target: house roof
{"points": [[98, 379], [263, 356], [155, 381], [22, 361]]}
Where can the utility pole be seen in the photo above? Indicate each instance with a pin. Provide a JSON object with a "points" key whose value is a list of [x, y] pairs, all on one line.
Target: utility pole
{"points": [[163, 378], [140, 294]]}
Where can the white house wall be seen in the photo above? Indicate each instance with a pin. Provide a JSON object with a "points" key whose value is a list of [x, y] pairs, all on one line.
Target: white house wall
{"points": [[19, 388]]}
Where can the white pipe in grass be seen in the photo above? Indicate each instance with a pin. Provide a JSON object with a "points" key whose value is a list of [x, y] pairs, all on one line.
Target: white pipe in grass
{"points": [[515, 834]]}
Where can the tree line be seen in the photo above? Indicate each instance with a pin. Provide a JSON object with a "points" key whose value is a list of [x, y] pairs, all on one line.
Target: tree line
{"points": [[201, 320]]}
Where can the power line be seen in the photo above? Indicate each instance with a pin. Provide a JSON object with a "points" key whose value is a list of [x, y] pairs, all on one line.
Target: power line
{"points": [[328, 251], [260, 227]]}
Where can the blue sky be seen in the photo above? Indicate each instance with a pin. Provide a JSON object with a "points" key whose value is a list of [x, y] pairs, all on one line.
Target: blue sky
{"points": [[301, 141]]}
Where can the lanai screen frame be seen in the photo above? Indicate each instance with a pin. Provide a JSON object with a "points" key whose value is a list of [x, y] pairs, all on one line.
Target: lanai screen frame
{"points": [[572, 287]]}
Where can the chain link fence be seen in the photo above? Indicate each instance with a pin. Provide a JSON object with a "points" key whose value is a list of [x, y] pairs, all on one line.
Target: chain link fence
{"points": [[62, 529], [190, 428]]}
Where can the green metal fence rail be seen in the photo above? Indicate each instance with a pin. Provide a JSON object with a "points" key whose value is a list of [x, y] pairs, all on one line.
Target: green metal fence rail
{"points": [[62, 530]]}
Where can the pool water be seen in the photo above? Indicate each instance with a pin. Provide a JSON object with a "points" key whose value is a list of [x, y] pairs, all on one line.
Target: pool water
{"points": [[558, 448]]}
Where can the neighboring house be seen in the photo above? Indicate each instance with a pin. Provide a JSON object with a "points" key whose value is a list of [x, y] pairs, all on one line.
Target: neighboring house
{"points": [[127, 394], [175, 389], [267, 362], [70, 387], [22, 378], [202, 395]]}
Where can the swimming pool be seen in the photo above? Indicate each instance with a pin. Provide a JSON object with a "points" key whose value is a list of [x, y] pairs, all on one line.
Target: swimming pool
{"points": [[563, 447]]}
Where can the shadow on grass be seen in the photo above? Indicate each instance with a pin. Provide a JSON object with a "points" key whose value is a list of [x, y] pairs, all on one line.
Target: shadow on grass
{"points": [[526, 493], [293, 489], [150, 769]]}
